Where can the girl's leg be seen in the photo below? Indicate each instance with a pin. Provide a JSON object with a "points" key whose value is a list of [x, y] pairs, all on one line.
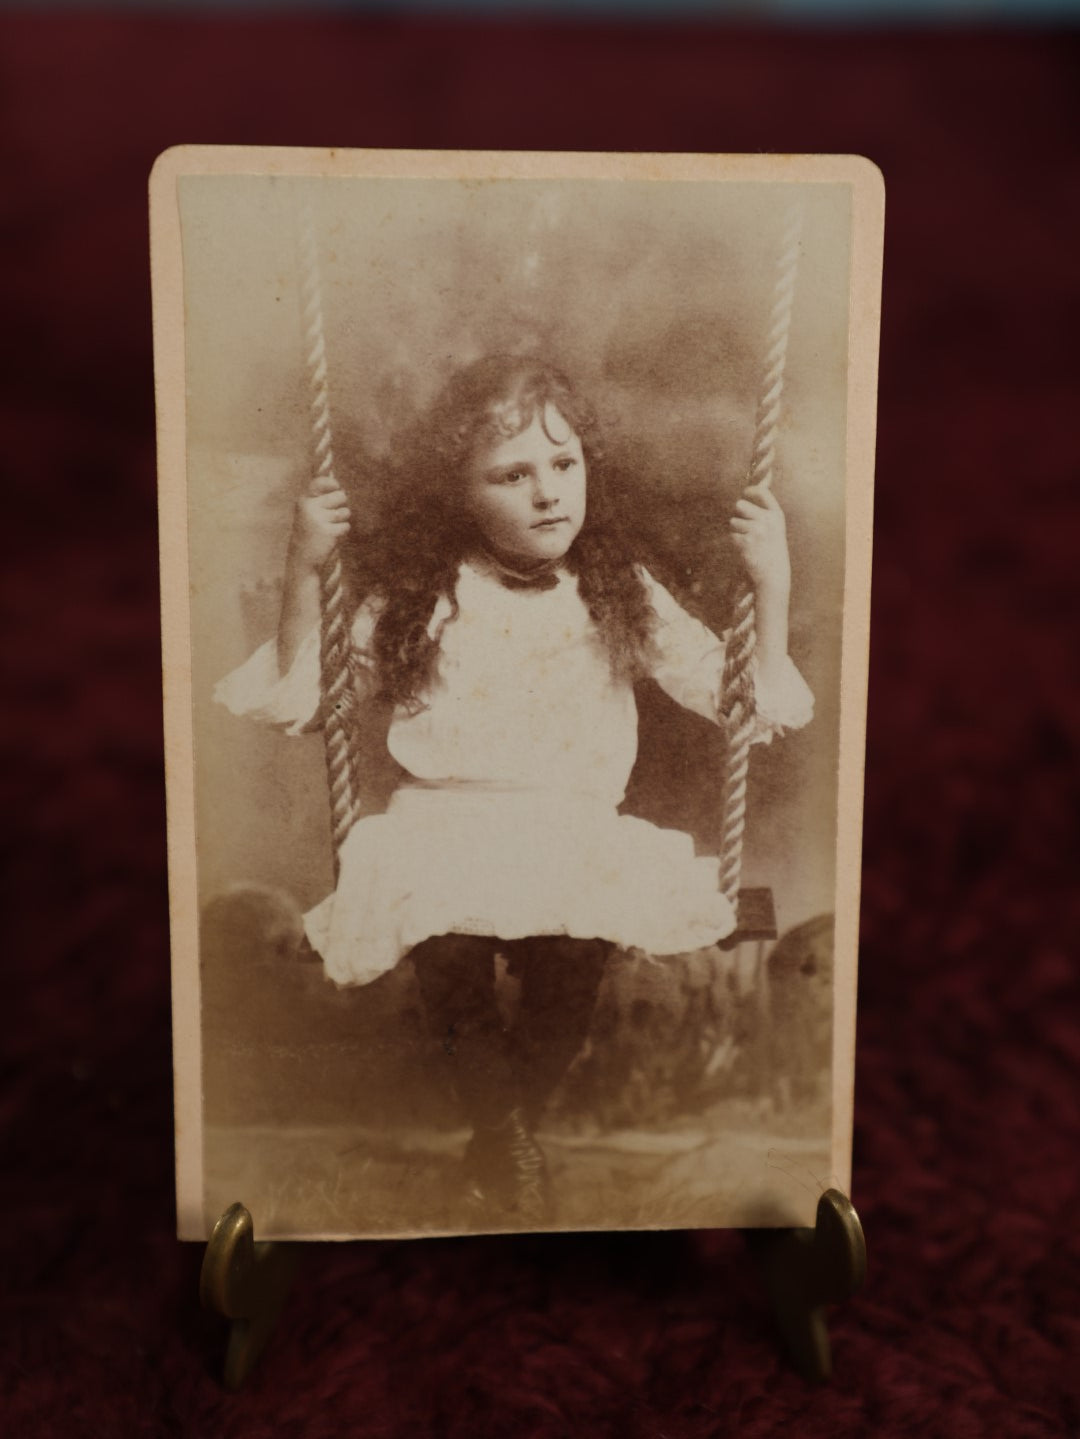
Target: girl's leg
{"points": [[560, 979], [456, 974], [505, 1168]]}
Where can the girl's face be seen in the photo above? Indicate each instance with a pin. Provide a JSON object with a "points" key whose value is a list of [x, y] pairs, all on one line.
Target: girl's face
{"points": [[526, 494]]}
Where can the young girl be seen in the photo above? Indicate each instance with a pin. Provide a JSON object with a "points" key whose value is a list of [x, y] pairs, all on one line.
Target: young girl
{"points": [[505, 624]]}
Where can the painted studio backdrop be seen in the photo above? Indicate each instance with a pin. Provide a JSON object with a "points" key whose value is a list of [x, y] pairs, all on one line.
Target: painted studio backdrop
{"points": [[329, 1106]]}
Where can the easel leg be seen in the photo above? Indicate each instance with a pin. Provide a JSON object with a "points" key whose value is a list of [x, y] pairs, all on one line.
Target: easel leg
{"points": [[806, 1269], [246, 1283]]}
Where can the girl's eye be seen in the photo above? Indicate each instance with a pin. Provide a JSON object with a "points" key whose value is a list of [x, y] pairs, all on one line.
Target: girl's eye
{"points": [[565, 462]]}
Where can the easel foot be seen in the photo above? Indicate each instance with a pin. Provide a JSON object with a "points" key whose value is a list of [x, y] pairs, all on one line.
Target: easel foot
{"points": [[807, 1269], [246, 1283]]}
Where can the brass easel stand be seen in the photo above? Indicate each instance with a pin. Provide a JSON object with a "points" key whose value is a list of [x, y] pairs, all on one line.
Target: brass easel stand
{"points": [[807, 1269], [246, 1283], [804, 1269]]}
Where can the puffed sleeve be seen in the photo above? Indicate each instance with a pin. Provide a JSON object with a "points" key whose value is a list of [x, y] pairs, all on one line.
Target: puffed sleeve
{"points": [[258, 690], [689, 666]]}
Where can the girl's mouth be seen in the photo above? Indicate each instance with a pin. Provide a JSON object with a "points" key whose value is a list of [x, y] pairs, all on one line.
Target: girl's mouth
{"points": [[547, 524]]}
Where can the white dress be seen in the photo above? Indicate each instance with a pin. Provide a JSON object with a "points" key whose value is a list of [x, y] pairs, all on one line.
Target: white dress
{"points": [[508, 823]]}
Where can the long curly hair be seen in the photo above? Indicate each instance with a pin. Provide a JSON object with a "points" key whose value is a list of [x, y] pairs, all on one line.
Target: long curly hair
{"points": [[411, 560]]}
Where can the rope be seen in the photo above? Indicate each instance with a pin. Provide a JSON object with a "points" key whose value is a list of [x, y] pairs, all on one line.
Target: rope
{"points": [[738, 699], [337, 693]]}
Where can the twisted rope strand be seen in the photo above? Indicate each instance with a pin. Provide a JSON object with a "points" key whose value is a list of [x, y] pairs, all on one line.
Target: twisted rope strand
{"points": [[337, 694], [738, 702]]}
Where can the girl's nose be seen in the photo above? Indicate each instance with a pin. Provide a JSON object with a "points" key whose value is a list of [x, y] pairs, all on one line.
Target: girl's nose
{"points": [[544, 495]]}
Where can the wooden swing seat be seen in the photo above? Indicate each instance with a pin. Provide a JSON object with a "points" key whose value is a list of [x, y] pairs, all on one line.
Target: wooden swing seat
{"points": [[755, 918]]}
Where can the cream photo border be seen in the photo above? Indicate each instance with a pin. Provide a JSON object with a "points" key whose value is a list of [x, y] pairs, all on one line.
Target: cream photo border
{"points": [[867, 193]]}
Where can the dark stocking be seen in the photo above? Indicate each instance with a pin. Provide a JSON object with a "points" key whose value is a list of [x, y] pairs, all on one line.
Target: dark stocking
{"points": [[503, 1082], [456, 973], [560, 979]]}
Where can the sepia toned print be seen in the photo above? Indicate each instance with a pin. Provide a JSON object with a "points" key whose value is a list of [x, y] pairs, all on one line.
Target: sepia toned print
{"points": [[515, 537]]}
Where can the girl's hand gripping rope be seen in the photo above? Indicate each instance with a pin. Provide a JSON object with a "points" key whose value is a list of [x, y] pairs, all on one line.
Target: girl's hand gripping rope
{"points": [[321, 519], [760, 536]]}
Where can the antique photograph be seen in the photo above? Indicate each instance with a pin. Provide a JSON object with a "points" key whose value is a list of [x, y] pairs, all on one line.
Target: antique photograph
{"points": [[515, 532]]}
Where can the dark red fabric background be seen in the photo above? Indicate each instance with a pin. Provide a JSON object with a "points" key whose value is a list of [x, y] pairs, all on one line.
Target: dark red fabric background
{"points": [[967, 1129]]}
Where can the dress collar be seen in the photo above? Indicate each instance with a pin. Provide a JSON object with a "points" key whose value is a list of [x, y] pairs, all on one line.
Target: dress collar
{"points": [[542, 577]]}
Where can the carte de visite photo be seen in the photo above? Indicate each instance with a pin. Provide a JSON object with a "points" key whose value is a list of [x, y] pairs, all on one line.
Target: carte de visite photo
{"points": [[515, 542]]}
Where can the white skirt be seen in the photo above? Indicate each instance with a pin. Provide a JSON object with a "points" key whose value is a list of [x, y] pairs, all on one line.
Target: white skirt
{"points": [[511, 864]]}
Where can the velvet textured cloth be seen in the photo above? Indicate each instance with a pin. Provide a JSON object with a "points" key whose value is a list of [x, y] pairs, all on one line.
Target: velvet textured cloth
{"points": [[967, 1128]]}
